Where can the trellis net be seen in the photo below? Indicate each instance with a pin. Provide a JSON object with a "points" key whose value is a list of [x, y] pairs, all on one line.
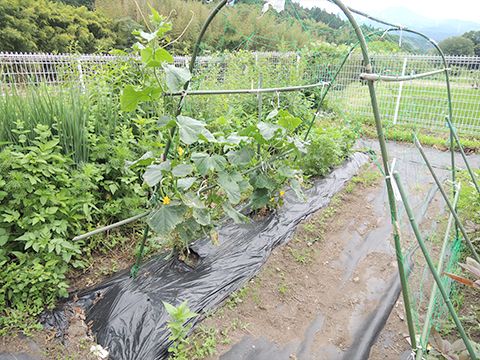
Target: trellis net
{"points": [[307, 51]]}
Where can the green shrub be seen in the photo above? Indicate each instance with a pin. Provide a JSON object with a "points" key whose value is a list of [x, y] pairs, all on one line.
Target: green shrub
{"points": [[45, 200], [329, 146]]}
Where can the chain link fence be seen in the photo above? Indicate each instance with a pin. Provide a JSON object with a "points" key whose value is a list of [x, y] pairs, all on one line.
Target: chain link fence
{"points": [[423, 101]]}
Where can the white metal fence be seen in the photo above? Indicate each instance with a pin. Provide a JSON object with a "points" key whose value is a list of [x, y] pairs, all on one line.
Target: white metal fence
{"points": [[423, 101]]}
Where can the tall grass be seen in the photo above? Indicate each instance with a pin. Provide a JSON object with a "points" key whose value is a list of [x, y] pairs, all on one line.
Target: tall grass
{"points": [[69, 113]]}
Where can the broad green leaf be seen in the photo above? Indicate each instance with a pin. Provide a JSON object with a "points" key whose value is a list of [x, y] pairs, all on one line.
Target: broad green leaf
{"points": [[48, 145], [192, 200], [187, 229], [288, 121], [260, 180], [286, 171], [235, 139], [182, 170], [154, 174], [3, 236], [242, 156], [297, 188], [164, 218], [189, 128], [234, 214], [147, 36], [259, 197], [299, 144], [244, 186], [268, 130], [161, 55], [272, 114], [165, 120], [146, 159], [175, 77], [131, 97], [207, 136], [227, 183], [202, 216], [205, 162], [185, 183]]}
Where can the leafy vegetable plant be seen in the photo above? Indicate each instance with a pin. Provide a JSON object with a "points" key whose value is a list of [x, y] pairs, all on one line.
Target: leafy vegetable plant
{"points": [[202, 174]]}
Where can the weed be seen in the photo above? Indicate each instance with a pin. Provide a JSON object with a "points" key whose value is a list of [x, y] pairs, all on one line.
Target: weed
{"points": [[285, 288]]}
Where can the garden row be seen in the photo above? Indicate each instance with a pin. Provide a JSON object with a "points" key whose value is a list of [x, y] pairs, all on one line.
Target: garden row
{"points": [[63, 167]]}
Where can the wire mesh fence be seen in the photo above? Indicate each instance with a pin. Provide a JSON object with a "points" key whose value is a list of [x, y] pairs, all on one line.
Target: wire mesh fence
{"points": [[422, 101]]}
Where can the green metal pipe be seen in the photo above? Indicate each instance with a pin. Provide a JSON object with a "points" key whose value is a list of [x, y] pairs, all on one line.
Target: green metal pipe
{"points": [[431, 303], [434, 272], [383, 148], [453, 132], [445, 197], [140, 253]]}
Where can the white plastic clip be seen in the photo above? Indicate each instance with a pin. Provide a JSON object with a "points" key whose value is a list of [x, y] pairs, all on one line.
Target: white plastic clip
{"points": [[396, 192]]}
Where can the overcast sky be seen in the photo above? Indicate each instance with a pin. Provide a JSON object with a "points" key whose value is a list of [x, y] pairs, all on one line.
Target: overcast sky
{"points": [[435, 9]]}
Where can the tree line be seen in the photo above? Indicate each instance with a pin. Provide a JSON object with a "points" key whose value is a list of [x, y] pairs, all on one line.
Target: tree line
{"points": [[89, 26], [467, 44]]}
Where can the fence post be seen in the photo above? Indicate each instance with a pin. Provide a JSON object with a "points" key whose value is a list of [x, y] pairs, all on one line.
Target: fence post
{"points": [[397, 106]]}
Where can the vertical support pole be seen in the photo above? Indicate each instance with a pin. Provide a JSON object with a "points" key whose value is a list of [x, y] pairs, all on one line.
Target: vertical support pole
{"points": [[432, 268], [445, 197], [400, 87], [260, 104], [140, 253], [80, 75], [452, 132], [383, 148], [431, 303]]}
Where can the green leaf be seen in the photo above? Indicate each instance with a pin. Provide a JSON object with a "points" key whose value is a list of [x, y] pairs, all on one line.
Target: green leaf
{"points": [[207, 136], [297, 188], [175, 77], [192, 200], [268, 130], [154, 174], [48, 145], [205, 162], [229, 184], [260, 198], [164, 218], [185, 183], [166, 120], [190, 129], [299, 144], [147, 36], [161, 55], [288, 121], [272, 114], [146, 159], [286, 171], [234, 214], [242, 156], [260, 180], [51, 210], [131, 97], [187, 229], [182, 170], [202, 216]]}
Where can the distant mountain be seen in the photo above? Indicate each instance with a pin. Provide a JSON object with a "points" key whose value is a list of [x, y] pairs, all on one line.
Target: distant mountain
{"points": [[435, 29]]}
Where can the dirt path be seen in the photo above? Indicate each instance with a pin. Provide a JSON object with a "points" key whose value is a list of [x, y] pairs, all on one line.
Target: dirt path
{"points": [[314, 293]]}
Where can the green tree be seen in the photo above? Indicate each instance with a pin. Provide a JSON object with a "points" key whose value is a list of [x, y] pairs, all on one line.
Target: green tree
{"points": [[457, 45], [475, 37], [45, 26]]}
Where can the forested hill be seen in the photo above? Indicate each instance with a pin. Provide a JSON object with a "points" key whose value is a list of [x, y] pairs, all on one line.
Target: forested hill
{"points": [[89, 26]]}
